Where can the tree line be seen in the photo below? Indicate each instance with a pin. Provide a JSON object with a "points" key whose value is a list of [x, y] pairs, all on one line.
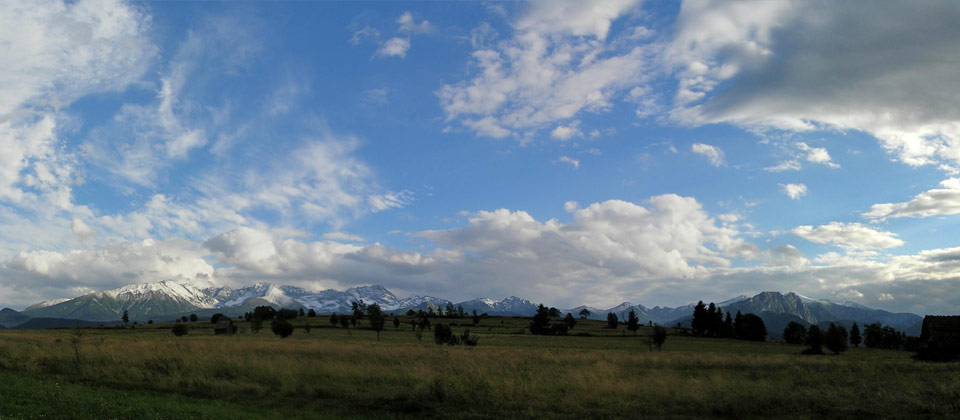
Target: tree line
{"points": [[710, 321]]}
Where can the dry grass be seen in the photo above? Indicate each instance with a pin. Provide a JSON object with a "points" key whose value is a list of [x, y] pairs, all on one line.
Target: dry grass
{"points": [[517, 376]]}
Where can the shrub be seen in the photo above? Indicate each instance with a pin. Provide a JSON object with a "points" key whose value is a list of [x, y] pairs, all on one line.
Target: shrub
{"points": [[179, 330], [281, 328], [814, 341], [658, 337], [836, 338]]}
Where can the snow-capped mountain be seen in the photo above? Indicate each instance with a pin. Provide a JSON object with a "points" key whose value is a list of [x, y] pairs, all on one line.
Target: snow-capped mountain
{"points": [[509, 306]]}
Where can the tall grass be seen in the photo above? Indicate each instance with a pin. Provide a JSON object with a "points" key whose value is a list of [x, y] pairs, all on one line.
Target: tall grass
{"points": [[506, 376]]}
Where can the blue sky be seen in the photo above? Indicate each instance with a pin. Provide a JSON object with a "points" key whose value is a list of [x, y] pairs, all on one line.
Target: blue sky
{"points": [[581, 152]]}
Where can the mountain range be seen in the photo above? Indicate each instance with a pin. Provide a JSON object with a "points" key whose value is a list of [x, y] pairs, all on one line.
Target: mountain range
{"points": [[167, 300]]}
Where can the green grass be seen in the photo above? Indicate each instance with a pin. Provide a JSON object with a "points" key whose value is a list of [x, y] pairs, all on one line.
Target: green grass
{"points": [[344, 373]]}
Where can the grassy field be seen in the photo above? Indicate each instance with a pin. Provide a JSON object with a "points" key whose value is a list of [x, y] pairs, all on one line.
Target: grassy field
{"points": [[146, 372]]}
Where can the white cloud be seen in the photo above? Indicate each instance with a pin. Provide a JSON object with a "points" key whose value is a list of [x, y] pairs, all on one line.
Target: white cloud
{"points": [[81, 229], [394, 47], [341, 236], [817, 155], [566, 132], [567, 159], [787, 165], [883, 75], [935, 202], [853, 236], [794, 191], [850, 294], [570, 206], [713, 153], [408, 24], [556, 65]]}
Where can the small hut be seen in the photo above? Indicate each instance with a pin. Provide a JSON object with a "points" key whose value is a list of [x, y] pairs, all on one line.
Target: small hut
{"points": [[940, 338], [224, 326]]}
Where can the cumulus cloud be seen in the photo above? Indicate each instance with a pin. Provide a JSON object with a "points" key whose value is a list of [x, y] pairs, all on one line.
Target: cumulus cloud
{"points": [[712, 153], [409, 24], [566, 132], [817, 155], [853, 236], [882, 74], [935, 202], [567, 159], [557, 64], [394, 47], [794, 191]]}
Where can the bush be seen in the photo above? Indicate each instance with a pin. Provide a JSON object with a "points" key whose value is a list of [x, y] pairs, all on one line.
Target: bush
{"points": [[658, 337], [216, 317], [281, 328], [442, 334], [814, 341], [179, 330]]}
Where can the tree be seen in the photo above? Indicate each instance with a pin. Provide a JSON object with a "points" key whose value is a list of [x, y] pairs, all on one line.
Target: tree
{"points": [[612, 320], [753, 328], [179, 330], [814, 341], [306, 328], [345, 321], [569, 321], [794, 333], [376, 317], [442, 334], [125, 317], [450, 309], [855, 337], [359, 308], [555, 313], [476, 318], [396, 323], [460, 311], [658, 337], [149, 322], [286, 314], [193, 318], [301, 313], [333, 319], [540, 324], [738, 325], [184, 318], [256, 324], [714, 320], [727, 329], [584, 313], [701, 319], [265, 313], [633, 323], [216, 317], [281, 327], [836, 338], [411, 312], [311, 313]]}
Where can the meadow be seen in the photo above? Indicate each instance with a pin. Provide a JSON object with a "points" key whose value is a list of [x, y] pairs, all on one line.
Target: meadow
{"points": [[147, 372]]}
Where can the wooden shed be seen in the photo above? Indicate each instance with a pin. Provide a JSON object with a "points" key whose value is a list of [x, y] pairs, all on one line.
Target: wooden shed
{"points": [[940, 338], [224, 326]]}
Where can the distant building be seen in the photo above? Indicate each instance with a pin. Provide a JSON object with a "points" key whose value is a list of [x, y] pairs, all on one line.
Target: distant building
{"points": [[940, 338], [224, 326]]}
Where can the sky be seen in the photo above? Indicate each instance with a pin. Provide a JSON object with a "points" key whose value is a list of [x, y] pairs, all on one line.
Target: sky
{"points": [[568, 152]]}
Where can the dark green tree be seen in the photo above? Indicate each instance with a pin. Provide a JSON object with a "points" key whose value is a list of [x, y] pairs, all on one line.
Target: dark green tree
{"points": [[256, 324], [306, 328], [311, 313], [333, 319], [612, 320], [794, 333], [359, 308], [411, 312], [540, 324], [570, 321], [633, 323], [554, 313], [584, 313], [700, 323], [301, 312], [738, 325], [179, 329], [193, 318], [149, 322], [345, 321], [281, 327], [753, 328], [727, 330], [286, 314], [814, 341], [184, 318], [476, 318], [659, 336], [216, 317], [836, 338], [855, 337], [265, 313], [125, 318], [396, 323], [376, 318]]}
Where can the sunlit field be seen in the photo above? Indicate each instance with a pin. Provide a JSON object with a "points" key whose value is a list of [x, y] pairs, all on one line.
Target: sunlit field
{"points": [[147, 372]]}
